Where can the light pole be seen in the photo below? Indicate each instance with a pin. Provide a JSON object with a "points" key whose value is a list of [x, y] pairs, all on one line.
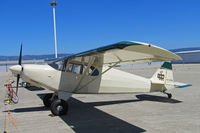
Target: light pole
{"points": [[53, 4]]}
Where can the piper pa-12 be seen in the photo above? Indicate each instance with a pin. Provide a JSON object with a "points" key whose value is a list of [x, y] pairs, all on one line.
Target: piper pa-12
{"points": [[93, 72]]}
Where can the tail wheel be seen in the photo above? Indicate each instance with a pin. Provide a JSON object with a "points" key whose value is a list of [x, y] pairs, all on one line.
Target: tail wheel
{"points": [[59, 107], [169, 95]]}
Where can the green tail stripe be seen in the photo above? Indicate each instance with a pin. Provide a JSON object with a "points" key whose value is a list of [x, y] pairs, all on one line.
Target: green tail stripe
{"points": [[167, 65]]}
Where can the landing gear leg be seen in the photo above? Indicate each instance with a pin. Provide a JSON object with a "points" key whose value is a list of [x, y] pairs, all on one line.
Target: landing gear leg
{"points": [[59, 107], [169, 95], [49, 98]]}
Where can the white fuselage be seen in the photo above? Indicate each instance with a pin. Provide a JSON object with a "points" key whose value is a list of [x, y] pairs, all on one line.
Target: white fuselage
{"points": [[112, 81]]}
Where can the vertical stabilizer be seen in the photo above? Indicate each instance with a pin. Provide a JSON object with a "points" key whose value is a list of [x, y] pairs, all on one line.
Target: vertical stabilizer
{"points": [[163, 78]]}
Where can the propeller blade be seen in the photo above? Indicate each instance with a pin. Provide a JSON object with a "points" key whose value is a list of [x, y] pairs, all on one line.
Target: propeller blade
{"points": [[20, 56], [18, 76], [19, 63]]}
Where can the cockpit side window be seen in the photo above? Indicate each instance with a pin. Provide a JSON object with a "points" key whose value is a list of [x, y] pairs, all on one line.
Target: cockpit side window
{"points": [[69, 67], [77, 68]]}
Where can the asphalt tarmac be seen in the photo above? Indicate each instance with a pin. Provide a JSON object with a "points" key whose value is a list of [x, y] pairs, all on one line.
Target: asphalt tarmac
{"points": [[120, 113]]}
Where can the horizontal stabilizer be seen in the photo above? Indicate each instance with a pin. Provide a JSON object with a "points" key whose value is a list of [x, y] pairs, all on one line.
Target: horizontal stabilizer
{"points": [[181, 85]]}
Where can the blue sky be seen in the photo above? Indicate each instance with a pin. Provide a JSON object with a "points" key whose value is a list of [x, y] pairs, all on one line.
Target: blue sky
{"points": [[87, 24]]}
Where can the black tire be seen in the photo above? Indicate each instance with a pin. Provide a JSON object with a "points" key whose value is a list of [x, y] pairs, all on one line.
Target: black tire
{"points": [[47, 100], [169, 95], [59, 107]]}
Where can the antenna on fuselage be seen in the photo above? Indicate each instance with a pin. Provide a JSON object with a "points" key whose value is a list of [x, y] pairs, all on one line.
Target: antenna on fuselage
{"points": [[53, 4]]}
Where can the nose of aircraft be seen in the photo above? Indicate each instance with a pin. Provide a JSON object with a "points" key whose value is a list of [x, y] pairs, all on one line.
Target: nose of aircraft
{"points": [[16, 69]]}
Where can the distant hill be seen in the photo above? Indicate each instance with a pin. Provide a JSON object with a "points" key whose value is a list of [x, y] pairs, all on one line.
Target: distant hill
{"points": [[32, 57], [189, 55], [185, 49]]}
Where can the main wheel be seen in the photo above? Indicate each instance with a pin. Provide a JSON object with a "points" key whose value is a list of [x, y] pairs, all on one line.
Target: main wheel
{"points": [[47, 99], [59, 107]]}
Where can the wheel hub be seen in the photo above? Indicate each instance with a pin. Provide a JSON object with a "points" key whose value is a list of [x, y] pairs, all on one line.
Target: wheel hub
{"points": [[59, 108]]}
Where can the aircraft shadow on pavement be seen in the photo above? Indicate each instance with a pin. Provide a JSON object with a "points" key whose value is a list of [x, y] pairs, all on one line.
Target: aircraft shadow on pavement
{"points": [[145, 97], [33, 88], [85, 118], [30, 109]]}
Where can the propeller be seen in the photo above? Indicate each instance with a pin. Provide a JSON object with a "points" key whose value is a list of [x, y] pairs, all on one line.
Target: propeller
{"points": [[19, 63]]}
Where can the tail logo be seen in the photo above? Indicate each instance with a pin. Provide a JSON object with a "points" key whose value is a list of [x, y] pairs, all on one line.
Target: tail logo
{"points": [[161, 76]]}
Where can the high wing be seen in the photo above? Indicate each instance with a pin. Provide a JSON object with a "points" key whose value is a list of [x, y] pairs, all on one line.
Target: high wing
{"points": [[128, 52]]}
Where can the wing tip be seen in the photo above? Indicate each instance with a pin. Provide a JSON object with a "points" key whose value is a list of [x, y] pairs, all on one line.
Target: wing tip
{"points": [[177, 57]]}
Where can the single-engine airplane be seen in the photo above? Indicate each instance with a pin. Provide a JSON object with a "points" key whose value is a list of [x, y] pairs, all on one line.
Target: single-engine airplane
{"points": [[93, 72]]}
